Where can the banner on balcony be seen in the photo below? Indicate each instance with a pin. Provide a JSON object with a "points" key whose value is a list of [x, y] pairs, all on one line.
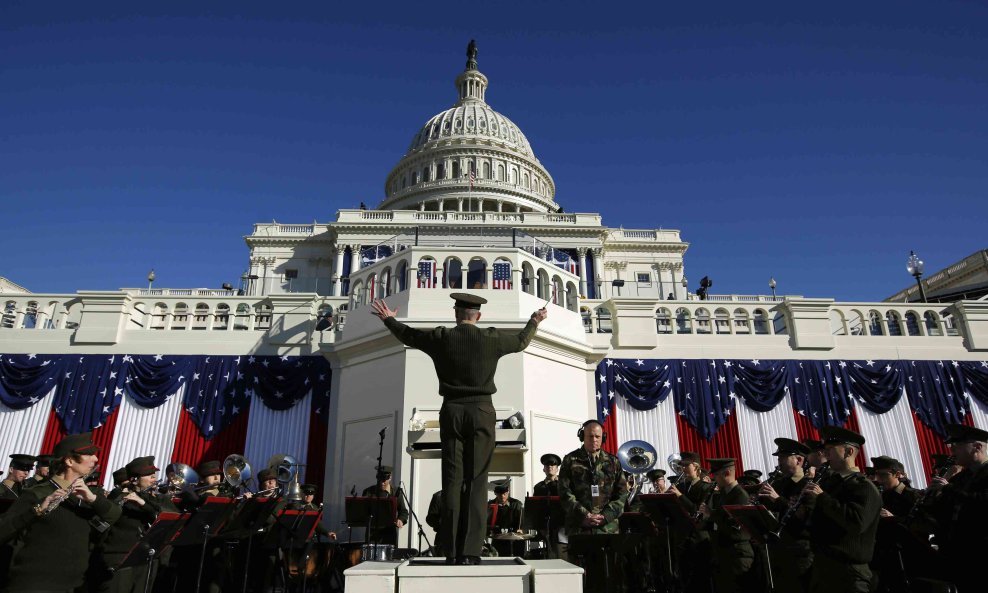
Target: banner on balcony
{"points": [[706, 394], [180, 408]]}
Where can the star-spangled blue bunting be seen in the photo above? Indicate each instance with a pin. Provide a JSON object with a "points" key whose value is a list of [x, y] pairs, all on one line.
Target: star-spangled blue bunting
{"points": [[89, 388], [824, 391]]}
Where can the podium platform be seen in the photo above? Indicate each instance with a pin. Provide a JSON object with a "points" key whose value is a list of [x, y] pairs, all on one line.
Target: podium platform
{"points": [[492, 575]]}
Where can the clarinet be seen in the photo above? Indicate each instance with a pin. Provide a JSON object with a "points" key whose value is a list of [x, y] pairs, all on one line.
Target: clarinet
{"points": [[794, 507], [921, 500]]}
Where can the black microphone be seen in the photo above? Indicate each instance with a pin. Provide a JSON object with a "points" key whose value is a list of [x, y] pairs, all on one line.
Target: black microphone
{"points": [[381, 434], [353, 490]]}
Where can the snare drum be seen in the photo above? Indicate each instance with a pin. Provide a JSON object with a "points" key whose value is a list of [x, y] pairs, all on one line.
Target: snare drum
{"points": [[377, 552]]}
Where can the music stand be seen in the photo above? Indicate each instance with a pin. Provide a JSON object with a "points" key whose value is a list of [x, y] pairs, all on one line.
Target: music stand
{"points": [[294, 526], [206, 522], [542, 512], [609, 545], [251, 517], [153, 542], [371, 512], [665, 511], [761, 525]]}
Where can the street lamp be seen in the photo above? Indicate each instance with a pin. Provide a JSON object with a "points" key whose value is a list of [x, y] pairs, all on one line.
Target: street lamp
{"points": [[772, 285], [150, 278], [914, 266], [686, 288]]}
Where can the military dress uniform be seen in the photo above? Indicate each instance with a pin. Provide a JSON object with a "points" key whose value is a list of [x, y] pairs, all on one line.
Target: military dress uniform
{"points": [[693, 551], [546, 487], [386, 535], [54, 553], [433, 518], [508, 519], [896, 548], [732, 555], [791, 556], [465, 358], [843, 523]]}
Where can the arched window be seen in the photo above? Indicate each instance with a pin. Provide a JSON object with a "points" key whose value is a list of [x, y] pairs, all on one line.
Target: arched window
{"points": [[9, 318], [527, 278], [702, 321], [456, 169], [372, 289], [427, 273], [440, 171], [241, 320], [587, 318], [663, 321], [742, 322], [356, 296], [761, 322], [571, 296], [159, 319], [684, 322], [180, 316], [892, 319], [222, 320], [527, 181], [556, 293], [425, 174], [722, 321], [138, 316], [401, 276], [30, 315], [200, 319], [513, 175], [875, 323], [477, 274], [453, 273], [502, 275], [912, 324], [262, 316], [838, 325], [932, 324], [500, 172], [542, 290], [950, 324], [487, 171]]}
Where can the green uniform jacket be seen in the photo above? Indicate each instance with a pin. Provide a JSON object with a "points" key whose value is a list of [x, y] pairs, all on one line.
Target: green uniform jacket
{"points": [[575, 479], [375, 492], [547, 488], [508, 516], [901, 503], [844, 518], [731, 545], [465, 356], [55, 551], [10, 490], [126, 531]]}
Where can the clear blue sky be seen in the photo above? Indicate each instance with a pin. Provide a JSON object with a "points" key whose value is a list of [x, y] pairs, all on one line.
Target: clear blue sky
{"points": [[817, 143]]}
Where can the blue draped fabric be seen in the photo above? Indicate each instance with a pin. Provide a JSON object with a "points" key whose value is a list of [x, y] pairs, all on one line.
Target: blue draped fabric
{"points": [[824, 391], [88, 388]]}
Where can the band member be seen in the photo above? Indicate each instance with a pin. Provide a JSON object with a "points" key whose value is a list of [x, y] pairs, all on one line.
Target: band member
{"points": [[898, 498], [691, 491], [593, 491], [17, 473], [267, 482], [843, 513], [42, 469], [509, 516], [657, 477], [211, 480], [465, 358], [961, 507], [732, 553], [433, 519], [550, 467], [55, 521], [815, 459], [791, 557], [139, 508], [384, 489], [750, 478]]}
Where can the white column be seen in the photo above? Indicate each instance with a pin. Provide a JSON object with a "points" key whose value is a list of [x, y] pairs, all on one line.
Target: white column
{"points": [[490, 278], [581, 253], [598, 270], [338, 270], [500, 205], [354, 263]]}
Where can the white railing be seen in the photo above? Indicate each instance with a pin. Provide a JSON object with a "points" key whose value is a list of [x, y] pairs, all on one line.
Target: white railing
{"points": [[414, 217], [39, 311], [179, 292]]}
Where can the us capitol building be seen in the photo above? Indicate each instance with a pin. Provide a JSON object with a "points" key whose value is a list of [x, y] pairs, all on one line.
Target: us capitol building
{"points": [[470, 206]]}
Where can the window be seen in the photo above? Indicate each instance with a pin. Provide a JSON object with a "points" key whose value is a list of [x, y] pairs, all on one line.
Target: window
{"points": [[456, 170], [440, 171], [643, 278], [291, 274]]}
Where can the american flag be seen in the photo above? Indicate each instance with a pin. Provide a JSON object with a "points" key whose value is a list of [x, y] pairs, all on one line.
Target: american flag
{"points": [[427, 273], [473, 177], [502, 276]]}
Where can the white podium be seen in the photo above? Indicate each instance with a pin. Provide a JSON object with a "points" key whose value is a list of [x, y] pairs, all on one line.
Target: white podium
{"points": [[492, 575]]}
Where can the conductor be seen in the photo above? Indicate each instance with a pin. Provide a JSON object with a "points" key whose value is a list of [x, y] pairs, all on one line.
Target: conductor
{"points": [[465, 358]]}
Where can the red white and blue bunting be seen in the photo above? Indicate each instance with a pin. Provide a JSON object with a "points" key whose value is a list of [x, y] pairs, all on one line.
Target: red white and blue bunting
{"points": [[735, 408], [188, 408]]}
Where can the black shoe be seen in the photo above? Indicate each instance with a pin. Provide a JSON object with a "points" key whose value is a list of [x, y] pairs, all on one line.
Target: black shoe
{"points": [[472, 560], [450, 560], [460, 560]]}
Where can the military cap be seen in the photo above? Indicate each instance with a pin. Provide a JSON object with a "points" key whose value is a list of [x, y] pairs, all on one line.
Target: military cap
{"points": [[25, 463], [690, 457], [835, 435], [465, 300], [209, 468], [501, 486], [958, 433], [44, 461], [266, 474], [655, 474], [385, 470], [309, 489], [551, 459], [141, 466], [78, 444], [869, 471], [718, 464], [813, 445], [753, 474], [120, 476], [790, 447], [887, 463]]}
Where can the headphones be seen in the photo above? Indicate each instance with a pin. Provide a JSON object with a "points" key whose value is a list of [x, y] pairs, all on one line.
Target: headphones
{"points": [[579, 433]]}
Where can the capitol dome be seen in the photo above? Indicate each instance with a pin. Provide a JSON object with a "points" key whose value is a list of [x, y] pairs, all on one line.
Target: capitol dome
{"points": [[470, 137]]}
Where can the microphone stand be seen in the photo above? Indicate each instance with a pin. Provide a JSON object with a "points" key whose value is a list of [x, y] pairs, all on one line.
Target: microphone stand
{"points": [[411, 511]]}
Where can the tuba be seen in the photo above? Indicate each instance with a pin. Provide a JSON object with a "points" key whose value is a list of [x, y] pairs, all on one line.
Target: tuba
{"points": [[236, 471], [179, 476], [636, 457]]}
